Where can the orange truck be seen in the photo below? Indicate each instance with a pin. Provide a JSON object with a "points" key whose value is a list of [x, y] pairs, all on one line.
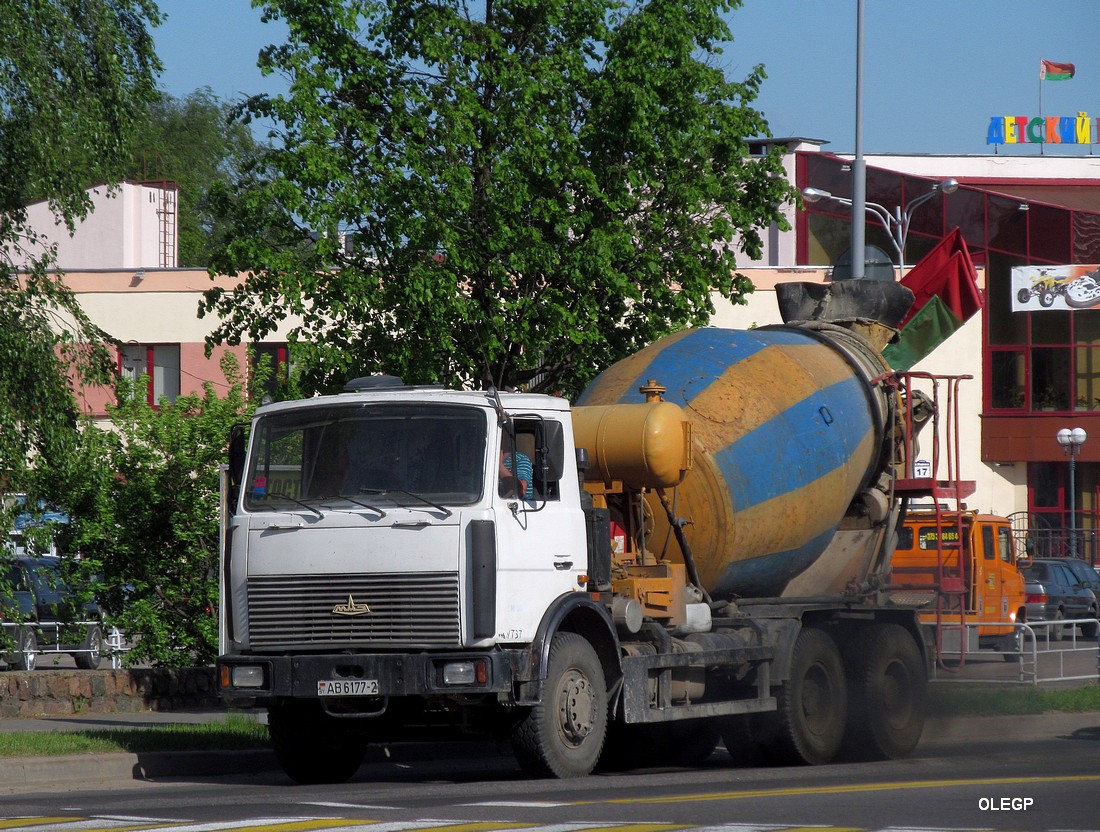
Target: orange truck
{"points": [[978, 582]]}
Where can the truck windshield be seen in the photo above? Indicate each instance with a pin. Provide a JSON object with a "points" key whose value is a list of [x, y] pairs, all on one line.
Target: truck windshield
{"points": [[393, 453]]}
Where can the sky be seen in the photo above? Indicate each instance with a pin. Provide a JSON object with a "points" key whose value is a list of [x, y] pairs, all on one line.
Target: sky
{"points": [[934, 71]]}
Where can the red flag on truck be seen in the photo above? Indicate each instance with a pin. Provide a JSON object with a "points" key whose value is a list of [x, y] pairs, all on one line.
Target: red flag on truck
{"points": [[946, 295]]}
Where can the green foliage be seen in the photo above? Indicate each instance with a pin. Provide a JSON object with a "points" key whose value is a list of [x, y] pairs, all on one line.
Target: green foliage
{"points": [[236, 732], [526, 195], [144, 508], [194, 142], [959, 699], [72, 77]]}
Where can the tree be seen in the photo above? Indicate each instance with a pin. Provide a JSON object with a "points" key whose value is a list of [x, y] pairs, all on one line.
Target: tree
{"points": [[145, 510], [193, 141], [517, 197], [73, 74]]}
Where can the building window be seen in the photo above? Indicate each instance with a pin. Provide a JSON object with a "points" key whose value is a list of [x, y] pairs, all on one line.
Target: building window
{"points": [[160, 363]]}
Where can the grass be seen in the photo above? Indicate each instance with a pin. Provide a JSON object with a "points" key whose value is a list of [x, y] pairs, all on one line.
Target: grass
{"points": [[237, 732], [987, 700], [242, 732]]}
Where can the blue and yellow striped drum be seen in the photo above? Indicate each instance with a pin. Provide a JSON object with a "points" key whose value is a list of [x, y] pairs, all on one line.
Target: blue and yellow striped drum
{"points": [[788, 425]]}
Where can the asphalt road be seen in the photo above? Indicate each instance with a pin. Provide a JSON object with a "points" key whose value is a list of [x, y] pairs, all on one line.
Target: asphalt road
{"points": [[1038, 773]]}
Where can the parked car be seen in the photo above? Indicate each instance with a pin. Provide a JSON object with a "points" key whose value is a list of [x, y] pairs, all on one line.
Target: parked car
{"points": [[1085, 574], [39, 611], [1056, 593]]}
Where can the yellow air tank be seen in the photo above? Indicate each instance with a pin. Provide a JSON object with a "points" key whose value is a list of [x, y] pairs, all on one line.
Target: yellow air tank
{"points": [[787, 426]]}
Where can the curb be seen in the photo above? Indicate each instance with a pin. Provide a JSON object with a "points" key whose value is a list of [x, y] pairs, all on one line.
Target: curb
{"points": [[23, 772]]}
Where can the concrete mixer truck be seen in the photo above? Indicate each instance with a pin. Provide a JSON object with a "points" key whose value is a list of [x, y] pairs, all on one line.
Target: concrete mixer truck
{"points": [[696, 551]]}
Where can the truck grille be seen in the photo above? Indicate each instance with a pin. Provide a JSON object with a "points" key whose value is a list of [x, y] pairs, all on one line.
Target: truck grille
{"points": [[405, 610]]}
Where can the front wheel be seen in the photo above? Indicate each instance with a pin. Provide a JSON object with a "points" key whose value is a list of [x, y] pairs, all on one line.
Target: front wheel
{"points": [[311, 746], [26, 649], [563, 735]]}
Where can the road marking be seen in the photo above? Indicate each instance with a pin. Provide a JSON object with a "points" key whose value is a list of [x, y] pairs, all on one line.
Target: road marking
{"points": [[332, 804], [848, 789], [84, 825]]}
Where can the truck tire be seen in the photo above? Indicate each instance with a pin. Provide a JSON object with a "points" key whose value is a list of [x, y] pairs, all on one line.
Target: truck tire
{"points": [[92, 653], [628, 747], [311, 746], [740, 737], [687, 743], [563, 735], [26, 649], [887, 694], [808, 726]]}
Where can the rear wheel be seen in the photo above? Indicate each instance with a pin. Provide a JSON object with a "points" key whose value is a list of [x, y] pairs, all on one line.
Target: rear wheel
{"points": [[563, 735], [1089, 629], [689, 743], [92, 650], [684, 743], [311, 746], [1056, 626], [887, 696], [740, 737], [813, 704]]}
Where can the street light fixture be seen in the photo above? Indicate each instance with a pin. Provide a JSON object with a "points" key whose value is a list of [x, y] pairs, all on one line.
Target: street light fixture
{"points": [[1071, 442], [896, 223]]}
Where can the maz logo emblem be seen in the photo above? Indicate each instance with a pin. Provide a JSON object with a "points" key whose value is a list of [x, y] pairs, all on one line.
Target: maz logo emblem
{"points": [[350, 608]]}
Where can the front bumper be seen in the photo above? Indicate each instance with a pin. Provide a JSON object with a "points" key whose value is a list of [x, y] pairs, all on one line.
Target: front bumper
{"points": [[260, 678]]}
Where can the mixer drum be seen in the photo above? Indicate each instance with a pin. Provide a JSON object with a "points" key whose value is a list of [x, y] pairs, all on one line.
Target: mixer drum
{"points": [[787, 428]]}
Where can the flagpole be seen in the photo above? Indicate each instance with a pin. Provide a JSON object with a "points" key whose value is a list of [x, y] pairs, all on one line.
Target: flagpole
{"points": [[1042, 145]]}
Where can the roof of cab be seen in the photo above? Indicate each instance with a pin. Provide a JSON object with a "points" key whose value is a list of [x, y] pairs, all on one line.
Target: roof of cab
{"points": [[515, 403]]}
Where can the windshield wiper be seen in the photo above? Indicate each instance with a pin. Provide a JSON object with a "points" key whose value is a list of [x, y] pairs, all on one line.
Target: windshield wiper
{"points": [[323, 500], [277, 495], [382, 492]]}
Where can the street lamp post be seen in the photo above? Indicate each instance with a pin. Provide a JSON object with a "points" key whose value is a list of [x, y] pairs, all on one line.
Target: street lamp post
{"points": [[896, 223], [1071, 442]]}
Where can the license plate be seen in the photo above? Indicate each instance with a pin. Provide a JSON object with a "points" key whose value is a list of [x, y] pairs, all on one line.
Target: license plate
{"points": [[350, 687]]}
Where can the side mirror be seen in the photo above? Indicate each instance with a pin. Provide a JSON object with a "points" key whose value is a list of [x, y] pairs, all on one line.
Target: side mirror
{"points": [[552, 451], [236, 455]]}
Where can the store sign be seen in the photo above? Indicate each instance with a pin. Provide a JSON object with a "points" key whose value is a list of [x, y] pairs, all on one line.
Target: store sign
{"points": [[1035, 288], [1043, 130]]}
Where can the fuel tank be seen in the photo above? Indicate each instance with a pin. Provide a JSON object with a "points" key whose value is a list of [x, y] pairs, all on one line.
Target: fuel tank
{"points": [[785, 426]]}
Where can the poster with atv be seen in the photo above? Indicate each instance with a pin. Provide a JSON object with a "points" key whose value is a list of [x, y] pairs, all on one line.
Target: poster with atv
{"points": [[1035, 288]]}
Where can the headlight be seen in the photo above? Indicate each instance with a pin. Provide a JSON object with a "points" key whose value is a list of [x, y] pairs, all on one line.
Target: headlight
{"points": [[242, 676], [469, 672]]}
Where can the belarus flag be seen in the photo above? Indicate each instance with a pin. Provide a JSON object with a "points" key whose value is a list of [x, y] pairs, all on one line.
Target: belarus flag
{"points": [[1053, 71]]}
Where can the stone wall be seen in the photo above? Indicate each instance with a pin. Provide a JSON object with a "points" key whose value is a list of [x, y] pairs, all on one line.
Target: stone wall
{"points": [[59, 692]]}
